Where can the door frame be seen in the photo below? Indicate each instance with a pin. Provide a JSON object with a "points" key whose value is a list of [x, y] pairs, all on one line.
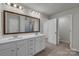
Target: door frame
{"points": [[71, 32], [57, 32]]}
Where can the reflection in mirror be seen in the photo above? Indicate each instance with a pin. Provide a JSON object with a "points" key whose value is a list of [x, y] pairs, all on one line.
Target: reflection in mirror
{"points": [[12, 23], [26, 24], [36, 25], [29, 25]]}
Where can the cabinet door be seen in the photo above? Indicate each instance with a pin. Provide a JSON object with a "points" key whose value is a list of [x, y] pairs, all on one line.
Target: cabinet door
{"points": [[31, 47], [37, 45], [8, 52], [42, 43], [21, 48], [27, 47]]}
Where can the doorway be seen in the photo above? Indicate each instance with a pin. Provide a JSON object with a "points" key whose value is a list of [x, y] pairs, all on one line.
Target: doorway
{"points": [[59, 30], [65, 31]]}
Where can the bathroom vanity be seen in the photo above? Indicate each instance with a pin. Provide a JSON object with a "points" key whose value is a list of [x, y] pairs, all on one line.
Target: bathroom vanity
{"points": [[26, 45], [20, 45]]}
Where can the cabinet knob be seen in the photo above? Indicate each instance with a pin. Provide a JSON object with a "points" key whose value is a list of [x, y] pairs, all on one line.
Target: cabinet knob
{"points": [[17, 48], [31, 48], [12, 50]]}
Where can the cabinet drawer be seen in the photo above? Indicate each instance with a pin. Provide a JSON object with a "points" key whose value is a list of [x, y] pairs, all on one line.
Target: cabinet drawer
{"points": [[21, 43], [8, 52], [31, 42], [31, 51], [7, 45]]}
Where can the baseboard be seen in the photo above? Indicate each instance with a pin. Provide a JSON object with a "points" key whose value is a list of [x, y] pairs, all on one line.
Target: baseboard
{"points": [[65, 41], [39, 51], [74, 49]]}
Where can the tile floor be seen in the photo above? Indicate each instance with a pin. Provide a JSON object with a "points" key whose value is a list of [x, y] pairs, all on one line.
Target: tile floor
{"points": [[59, 50]]}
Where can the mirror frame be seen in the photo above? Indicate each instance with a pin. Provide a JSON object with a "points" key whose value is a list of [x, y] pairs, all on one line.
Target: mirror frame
{"points": [[4, 27]]}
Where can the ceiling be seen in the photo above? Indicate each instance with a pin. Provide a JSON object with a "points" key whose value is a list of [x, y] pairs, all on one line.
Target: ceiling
{"points": [[50, 8]]}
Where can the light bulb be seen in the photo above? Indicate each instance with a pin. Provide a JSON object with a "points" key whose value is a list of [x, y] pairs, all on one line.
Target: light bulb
{"points": [[15, 5], [33, 12], [9, 4], [38, 13], [20, 7]]}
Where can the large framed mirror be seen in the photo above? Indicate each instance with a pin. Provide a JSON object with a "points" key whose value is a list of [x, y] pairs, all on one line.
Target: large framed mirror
{"points": [[18, 23]]}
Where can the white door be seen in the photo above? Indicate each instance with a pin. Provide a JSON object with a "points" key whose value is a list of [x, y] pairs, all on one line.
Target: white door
{"points": [[52, 31], [51, 28]]}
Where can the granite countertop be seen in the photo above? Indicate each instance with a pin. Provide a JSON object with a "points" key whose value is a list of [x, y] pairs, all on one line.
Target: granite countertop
{"points": [[21, 37]]}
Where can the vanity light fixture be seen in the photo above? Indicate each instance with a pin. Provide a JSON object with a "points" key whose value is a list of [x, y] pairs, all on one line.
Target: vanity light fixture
{"points": [[34, 12], [8, 4], [14, 5], [37, 13]]}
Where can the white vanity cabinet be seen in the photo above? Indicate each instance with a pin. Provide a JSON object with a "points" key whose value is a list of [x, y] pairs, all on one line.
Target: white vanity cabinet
{"points": [[31, 48], [17, 48], [42, 43], [39, 44], [8, 49], [8, 52], [21, 48]]}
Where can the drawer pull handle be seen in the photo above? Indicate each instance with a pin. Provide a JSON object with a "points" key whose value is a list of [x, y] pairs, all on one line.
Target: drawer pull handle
{"points": [[17, 48]]}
